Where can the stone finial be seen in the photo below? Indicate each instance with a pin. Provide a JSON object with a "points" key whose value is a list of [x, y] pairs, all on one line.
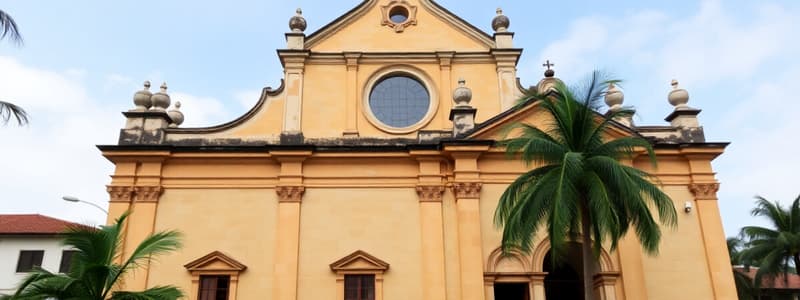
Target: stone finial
{"points": [[161, 99], [142, 98], [679, 98], [614, 97], [297, 23], [549, 72], [501, 22], [462, 95], [684, 117], [175, 115], [462, 114]]}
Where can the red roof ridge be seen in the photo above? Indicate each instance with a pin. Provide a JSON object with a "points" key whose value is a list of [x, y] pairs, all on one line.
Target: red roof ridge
{"points": [[22, 224]]}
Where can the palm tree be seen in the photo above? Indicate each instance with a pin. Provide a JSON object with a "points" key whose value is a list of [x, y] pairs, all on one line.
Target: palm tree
{"points": [[776, 249], [579, 184], [95, 272], [744, 284], [9, 110], [8, 28]]}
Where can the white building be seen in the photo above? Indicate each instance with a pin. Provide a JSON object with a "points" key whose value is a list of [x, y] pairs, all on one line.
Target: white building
{"points": [[27, 241]]}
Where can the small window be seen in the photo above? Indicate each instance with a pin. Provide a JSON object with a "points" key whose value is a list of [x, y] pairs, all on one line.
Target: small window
{"points": [[359, 287], [398, 14], [29, 259], [66, 261], [214, 287]]}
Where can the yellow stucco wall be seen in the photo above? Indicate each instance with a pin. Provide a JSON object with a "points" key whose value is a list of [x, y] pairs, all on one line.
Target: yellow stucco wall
{"points": [[239, 223], [288, 213], [431, 33], [383, 222]]}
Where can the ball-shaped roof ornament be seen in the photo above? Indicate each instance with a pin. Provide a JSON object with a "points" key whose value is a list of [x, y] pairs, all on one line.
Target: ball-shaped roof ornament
{"points": [[161, 99], [614, 97], [462, 95], [679, 98], [176, 115], [501, 22], [297, 23], [142, 98]]}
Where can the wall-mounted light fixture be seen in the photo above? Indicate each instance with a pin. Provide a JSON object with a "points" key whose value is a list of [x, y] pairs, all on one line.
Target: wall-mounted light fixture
{"points": [[687, 207]]}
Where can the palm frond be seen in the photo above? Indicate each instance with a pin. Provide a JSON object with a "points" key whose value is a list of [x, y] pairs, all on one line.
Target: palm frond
{"points": [[155, 293], [10, 110], [95, 273], [9, 28], [578, 185]]}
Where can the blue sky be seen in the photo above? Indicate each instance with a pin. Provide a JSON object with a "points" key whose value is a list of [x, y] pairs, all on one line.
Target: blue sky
{"points": [[83, 60]]}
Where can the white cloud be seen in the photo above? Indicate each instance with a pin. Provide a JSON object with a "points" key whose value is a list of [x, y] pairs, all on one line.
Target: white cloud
{"points": [[200, 111], [763, 156], [115, 81], [707, 47], [56, 155], [247, 99], [720, 57], [41, 89]]}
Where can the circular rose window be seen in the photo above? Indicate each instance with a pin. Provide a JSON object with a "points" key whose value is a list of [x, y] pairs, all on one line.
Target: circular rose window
{"points": [[399, 101]]}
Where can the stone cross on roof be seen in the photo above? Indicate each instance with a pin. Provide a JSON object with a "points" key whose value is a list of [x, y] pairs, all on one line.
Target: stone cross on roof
{"points": [[549, 72]]}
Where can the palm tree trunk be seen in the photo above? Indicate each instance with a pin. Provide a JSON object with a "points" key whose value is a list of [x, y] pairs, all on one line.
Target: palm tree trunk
{"points": [[796, 257], [588, 258]]}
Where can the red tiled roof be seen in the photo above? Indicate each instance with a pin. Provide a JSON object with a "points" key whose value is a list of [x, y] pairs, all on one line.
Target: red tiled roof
{"points": [[32, 224], [793, 282]]}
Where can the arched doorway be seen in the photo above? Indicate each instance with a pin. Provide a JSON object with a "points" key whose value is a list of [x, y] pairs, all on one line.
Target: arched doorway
{"points": [[564, 279], [546, 276]]}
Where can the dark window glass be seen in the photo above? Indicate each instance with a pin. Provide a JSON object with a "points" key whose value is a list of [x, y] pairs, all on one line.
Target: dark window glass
{"points": [[399, 101], [359, 287], [214, 287], [66, 261], [29, 259]]}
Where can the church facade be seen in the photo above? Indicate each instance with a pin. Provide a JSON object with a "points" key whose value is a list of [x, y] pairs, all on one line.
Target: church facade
{"points": [[372, 173]]}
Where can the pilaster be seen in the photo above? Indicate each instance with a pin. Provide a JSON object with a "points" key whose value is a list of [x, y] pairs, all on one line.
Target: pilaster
{"points": [[446, 85], [506, 60], [290, 191], [469, 239], [294, 68], [430, 191], [631, 264], [467, 188], [704, 188], [352, 94], [605, 285], [537, 286]]}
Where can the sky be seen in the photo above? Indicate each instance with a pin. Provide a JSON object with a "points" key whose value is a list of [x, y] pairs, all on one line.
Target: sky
{"points": [[81, 62]]}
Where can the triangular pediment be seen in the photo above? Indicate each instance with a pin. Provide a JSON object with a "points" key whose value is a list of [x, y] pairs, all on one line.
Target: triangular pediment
{"points": [[496, 128], [366, 28], [215, 261], [359, 261]]}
